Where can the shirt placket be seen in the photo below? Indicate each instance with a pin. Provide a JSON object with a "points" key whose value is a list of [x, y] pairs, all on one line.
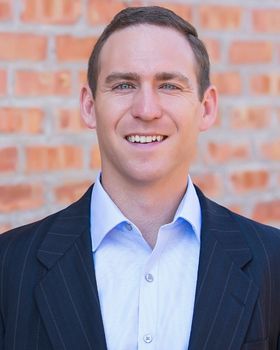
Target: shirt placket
{"points": [[148, 309]]}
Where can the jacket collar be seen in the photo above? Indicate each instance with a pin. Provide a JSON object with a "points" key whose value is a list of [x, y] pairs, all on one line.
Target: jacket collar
{"points": [[65, 228], [66, 295]]}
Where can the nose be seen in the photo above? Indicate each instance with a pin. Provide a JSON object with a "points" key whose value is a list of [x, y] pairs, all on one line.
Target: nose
{"points": [[146, 104]]}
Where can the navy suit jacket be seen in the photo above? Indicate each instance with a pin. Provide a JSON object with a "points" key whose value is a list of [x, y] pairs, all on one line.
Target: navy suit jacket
{"points": [[49, 299]]}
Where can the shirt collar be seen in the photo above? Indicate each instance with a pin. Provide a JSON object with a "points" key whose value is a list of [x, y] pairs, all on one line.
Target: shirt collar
{"points": [[189, 209], [102, 207]]}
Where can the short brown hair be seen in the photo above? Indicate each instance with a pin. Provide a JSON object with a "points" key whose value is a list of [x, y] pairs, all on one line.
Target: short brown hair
{"points": [[159, 16]]}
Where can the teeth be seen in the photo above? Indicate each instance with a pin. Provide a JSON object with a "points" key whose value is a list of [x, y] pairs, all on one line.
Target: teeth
{"points": [[145, 139]]}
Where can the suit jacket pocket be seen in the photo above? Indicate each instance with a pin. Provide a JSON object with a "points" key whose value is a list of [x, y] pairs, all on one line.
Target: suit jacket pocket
{"points": [[256, 345]]}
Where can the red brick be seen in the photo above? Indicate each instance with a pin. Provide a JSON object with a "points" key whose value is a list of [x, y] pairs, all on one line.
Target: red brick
{"points": [[256, 117], [15, 46], [71, 48], [8, 159], [101, 12], [70, 192], [33, 83], [260, 84], [20, 197], [217, 17], [82, 78], [242, 52], [69, 120], [278, 113], [209, 183], [265, 84], [3, 82], [213, 48], [224, 152], [5, 10], [34, 121], [95, 158], [51, 11], [228, 83], [266, 20], [21, 120], [51, 158], [4, 227], [218, 121], [271, 149], [249, 180], [268, 211]]}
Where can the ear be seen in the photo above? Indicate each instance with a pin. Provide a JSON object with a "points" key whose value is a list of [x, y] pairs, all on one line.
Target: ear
{"points": [[209, 108], [87, 107]]}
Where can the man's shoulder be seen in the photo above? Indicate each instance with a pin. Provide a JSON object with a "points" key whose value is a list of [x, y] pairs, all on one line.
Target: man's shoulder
{"points": [[259, 236], [17, 238], [262, 240], [250, 225], [255, 227], [36, 231], [218, 209], [252, 230], [266, 235]]}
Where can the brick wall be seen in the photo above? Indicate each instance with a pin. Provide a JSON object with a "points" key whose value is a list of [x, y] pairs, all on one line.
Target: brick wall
{"points": [[48, 157]]}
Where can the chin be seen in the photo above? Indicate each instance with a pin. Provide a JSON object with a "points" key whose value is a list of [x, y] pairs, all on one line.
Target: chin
{"points": [[145, 176]]}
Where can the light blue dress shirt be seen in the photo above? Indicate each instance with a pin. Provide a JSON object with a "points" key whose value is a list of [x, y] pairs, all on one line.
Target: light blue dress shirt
{"points": [[146, 295]]}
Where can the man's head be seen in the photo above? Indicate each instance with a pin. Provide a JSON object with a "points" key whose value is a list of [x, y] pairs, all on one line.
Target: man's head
{"points": [[148, 105], [157, 16]]}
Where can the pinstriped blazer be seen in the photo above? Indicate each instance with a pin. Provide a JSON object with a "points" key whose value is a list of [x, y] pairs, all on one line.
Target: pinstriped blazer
{"points": [[49, 299]]}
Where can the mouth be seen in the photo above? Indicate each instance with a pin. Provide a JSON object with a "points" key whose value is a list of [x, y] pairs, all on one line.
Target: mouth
{"points": [[145, 138]]}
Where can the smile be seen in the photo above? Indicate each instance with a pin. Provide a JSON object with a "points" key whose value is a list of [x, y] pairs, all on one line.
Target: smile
{"points": [[145, 139]]}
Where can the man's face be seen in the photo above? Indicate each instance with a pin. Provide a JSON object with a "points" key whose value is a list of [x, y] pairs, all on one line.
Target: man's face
{"points": [[146, 111]]}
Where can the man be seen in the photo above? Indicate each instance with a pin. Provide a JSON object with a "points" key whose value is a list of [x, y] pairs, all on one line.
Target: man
{"points": [[143, 260]]}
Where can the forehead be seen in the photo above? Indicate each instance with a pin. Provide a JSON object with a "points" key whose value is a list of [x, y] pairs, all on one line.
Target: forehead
{"points": [[147, 48]]}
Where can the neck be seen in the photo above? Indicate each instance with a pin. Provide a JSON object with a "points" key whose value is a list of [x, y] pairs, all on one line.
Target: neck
{"points": [[147, 205]]}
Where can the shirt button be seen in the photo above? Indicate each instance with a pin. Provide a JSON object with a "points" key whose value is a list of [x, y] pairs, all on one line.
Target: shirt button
{"points": [[129, 226], [148, 338], [149, 277]]}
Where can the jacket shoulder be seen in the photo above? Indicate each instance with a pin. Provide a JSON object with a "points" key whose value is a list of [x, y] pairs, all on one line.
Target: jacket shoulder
{"points": [[39, 228], [15, 243], [259, 237], [262, 238], [263, 231]]}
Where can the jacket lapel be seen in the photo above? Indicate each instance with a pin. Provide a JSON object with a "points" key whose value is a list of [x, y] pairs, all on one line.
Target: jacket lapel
{"points": [[67, 295], [225, 295]]}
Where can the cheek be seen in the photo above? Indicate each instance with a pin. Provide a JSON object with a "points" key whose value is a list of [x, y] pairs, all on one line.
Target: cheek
{"points": [[110, 111], [186, 121]]}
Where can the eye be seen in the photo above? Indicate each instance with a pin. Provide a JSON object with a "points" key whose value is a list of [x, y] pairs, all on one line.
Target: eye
{"points": [[169, 86], [123, 86]]}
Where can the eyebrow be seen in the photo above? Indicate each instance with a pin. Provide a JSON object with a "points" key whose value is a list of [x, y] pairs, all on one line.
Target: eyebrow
{"points": [[115, 76], [161, 76]]}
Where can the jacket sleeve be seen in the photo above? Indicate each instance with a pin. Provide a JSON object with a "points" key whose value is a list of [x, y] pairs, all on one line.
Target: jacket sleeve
{"points": [[2, 328], [2, 334]]}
